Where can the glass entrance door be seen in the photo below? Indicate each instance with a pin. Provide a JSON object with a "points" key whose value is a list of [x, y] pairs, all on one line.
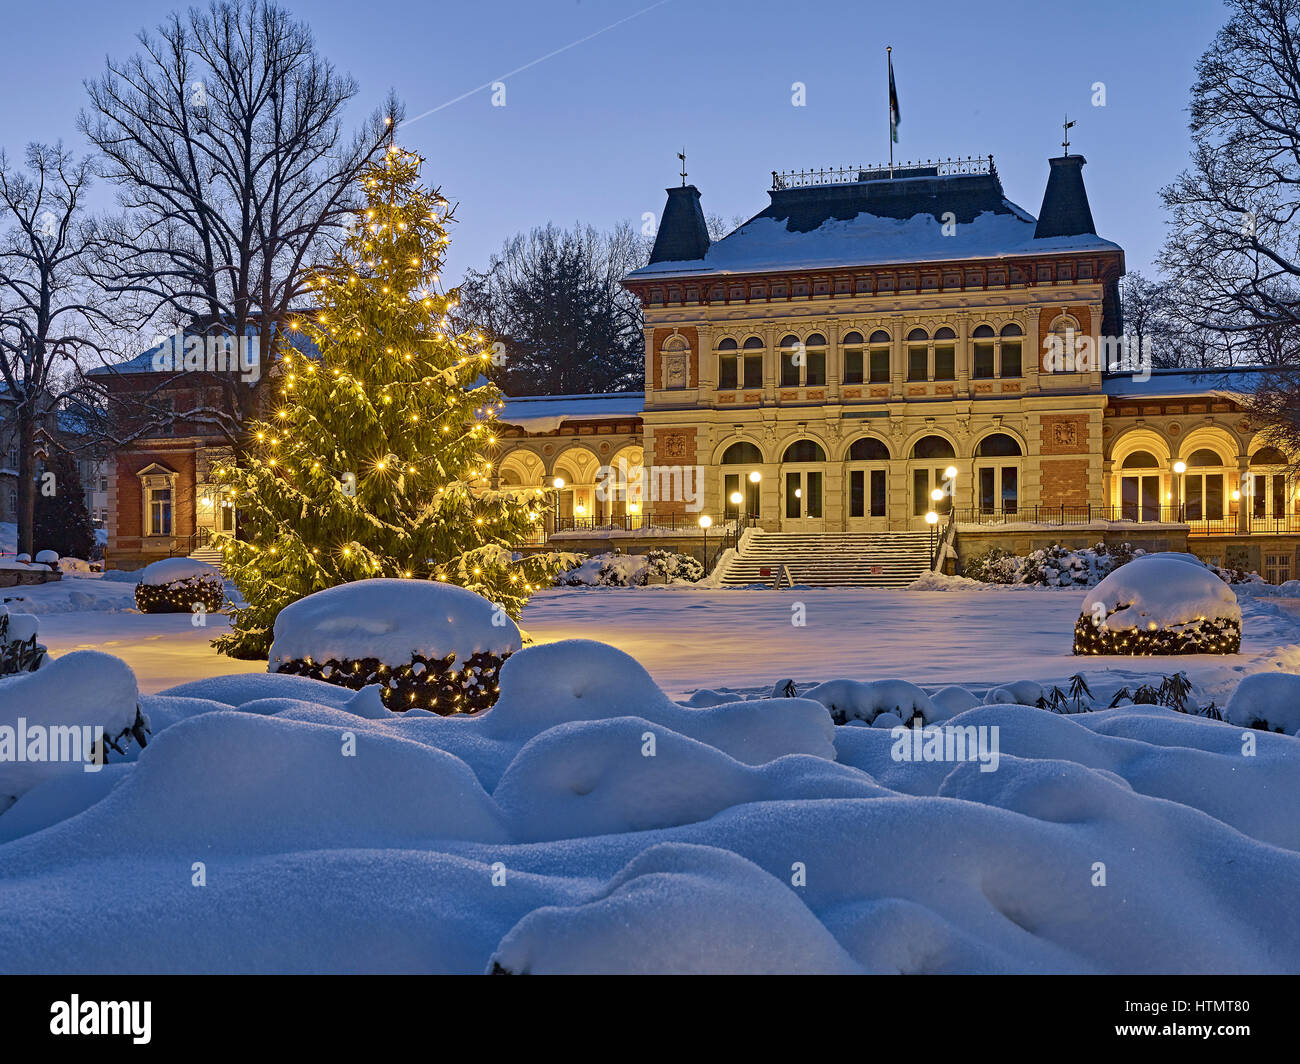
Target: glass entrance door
{"points": [[1140, 498], [802, 505], [867, 508]]}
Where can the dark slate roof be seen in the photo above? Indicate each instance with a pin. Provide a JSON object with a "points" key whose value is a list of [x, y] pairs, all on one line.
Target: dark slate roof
{"points": [[1065, 210], [880, 220], [682, 234]]}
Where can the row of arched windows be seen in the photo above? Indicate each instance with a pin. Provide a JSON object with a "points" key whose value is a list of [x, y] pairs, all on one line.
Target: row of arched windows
{"points": [[867, 358], [870, 449]]}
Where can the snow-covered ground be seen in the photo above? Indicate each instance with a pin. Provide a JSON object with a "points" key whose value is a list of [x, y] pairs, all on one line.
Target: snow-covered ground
{"points": [[591, 822]]}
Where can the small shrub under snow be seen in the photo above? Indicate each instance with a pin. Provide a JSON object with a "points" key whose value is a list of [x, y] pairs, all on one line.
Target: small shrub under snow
{"points": [[1160, 604], [1053, 566], [178, 585], [427, 645], [633, 570], [1266, 700]]}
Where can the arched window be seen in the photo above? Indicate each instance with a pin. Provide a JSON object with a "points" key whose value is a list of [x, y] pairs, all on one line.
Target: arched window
{"points": [[929, 481], [751, 363], [1203, 486], [728, 364], [945, 355], [998, 445], [918, 355], [997, 474], [928, 447], [868, 449], [792, 355], [803, 362], [983, 353], [1265, 487], [741, 483], [804, 451], [879, 368], [867, 487], [1140, 460], [853, 358], [815, 364], [742, 453], [1267, 456], [1012, 361]]}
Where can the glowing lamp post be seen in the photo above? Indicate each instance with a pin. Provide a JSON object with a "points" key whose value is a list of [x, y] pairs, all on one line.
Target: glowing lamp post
{"points": [[1180, 467], [705, 523], [558, 485], [932, 519]]}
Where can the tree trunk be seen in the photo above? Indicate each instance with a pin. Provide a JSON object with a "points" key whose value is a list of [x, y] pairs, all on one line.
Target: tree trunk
{"points": [[26, 515]]}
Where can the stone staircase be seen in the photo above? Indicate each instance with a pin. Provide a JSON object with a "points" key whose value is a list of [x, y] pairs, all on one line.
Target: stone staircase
{"points": [[207, 554], [831, 559]]}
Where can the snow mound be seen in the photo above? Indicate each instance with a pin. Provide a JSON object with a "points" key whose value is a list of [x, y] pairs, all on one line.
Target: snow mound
{"points": [[1016, 693], [677, 908], [392, 621], [857, 700], [73, 694], [177, 570], [1267, 700], [581, 680], [586, 823], [47, 557]]}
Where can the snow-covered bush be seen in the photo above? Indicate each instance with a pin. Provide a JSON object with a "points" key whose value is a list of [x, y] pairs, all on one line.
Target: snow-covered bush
{"points": [[177, 585], [19, 651], [1160, 604], [47, 557], [1053, 566], [427, 645], [1266, 700], [53, 714], [850, 700], [632, 570]]}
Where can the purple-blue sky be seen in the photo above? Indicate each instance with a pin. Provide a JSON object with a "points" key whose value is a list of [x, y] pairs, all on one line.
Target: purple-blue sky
{"points": [[591, 134]]}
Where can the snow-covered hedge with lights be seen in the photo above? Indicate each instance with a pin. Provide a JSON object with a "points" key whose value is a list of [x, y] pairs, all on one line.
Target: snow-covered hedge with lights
{"points": [[426, 644], [632, 570], [1053, 566], [178, 585], [1160, 604]]}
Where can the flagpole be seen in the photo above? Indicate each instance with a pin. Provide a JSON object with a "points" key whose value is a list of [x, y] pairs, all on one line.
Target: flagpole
{"points": [[889, 107]]}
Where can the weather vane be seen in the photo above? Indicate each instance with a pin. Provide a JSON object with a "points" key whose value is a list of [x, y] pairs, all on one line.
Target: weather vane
{"points": [[682, 155], [1066, 142]]}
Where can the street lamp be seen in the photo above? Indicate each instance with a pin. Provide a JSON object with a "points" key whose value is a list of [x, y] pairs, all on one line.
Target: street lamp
{"points": [[1180, 467], [932, 519], [558, 485], [705, 522]]}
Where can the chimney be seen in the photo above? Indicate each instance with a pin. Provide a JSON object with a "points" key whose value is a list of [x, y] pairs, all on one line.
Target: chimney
{"points": [[682, 235], [1065, 210]]}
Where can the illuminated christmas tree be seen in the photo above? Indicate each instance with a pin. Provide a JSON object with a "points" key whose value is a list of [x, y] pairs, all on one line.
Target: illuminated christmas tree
{"points": [[374, 459]]}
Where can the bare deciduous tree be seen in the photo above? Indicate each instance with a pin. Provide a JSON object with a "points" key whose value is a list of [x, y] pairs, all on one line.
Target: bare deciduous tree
{"points": [[46, 317], [223, 136]]}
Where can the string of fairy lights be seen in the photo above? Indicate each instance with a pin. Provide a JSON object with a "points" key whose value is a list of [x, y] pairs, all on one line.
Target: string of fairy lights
{"points": [[374, 459]]}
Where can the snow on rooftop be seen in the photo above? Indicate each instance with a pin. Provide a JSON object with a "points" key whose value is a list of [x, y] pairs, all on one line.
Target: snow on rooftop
{"points": [[1232, 381], [765, 243], [545, 413]]}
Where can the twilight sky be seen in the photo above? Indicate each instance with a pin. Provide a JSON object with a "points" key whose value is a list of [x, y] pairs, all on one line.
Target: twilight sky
{"points": [[591, 134]]}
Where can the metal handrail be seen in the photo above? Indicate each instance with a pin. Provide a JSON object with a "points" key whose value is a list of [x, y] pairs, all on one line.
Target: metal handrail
{"points": [[1227, 525]]}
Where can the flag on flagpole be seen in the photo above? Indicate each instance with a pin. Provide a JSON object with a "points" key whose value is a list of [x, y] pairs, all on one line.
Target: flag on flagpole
{"points": [[894, 116]]}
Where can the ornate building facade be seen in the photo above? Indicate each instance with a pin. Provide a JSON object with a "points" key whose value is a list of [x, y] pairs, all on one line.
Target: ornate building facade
{"points": [[876, 346]]}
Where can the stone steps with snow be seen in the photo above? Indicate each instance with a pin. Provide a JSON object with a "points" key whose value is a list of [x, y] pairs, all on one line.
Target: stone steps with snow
{"points": [[832, 559]]}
